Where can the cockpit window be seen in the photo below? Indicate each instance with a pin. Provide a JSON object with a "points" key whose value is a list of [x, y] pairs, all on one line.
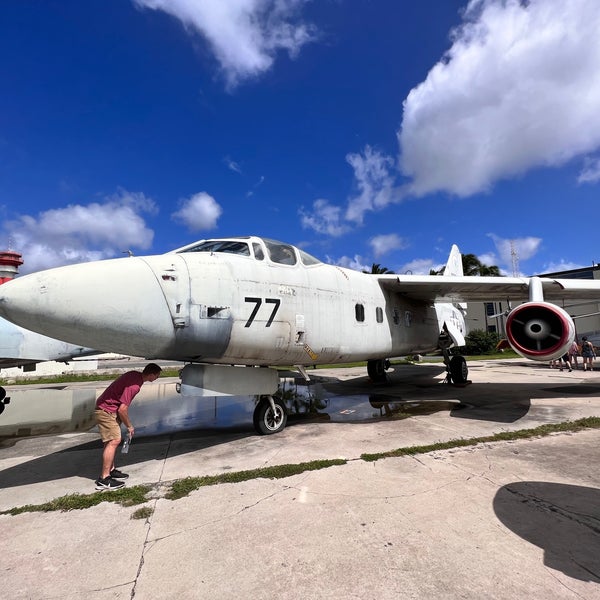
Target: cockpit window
{"points": [[258, 251], [307, 259], [281, 253], [229, 246]]}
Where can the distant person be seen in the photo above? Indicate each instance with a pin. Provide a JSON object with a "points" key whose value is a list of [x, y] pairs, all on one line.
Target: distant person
{"points": [[564, 360], [574, 354], [588, 354], [112, 409]]}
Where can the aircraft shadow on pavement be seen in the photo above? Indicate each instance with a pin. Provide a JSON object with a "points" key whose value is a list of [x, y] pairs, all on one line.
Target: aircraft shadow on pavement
{"points": [[563, 520], [418, 390], [83, 460]]}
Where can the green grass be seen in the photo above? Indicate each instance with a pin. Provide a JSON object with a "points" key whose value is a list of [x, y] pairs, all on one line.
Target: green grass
{"points": [[109, 375], [541, 431], [145, 512], [178, 489], [124, 496], [183, 487], [77, 378]]}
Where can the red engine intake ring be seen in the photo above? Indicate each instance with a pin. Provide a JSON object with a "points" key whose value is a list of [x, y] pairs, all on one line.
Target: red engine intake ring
{"points": [[540, 330]]}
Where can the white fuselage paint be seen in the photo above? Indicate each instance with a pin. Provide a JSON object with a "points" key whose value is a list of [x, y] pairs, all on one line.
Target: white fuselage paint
{"points": [[227, 309]]}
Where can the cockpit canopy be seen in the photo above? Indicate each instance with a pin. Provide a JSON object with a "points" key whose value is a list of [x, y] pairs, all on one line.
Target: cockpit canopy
{"points": [[258, 248]]}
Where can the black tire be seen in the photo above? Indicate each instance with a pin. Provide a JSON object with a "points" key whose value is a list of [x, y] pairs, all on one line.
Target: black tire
{"points": [[267, 422], [458, 369], [2, 393], [376, 370]]}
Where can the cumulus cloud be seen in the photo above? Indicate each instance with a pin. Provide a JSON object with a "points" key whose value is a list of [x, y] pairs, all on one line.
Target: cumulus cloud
{"points": [[244, 36], [591, 170], [562, 265], [512, 251], [324, 218], [199, 212], [80, 233], [382, 244], [375, 182], [357, 262], [518, 89], [419, 266]]}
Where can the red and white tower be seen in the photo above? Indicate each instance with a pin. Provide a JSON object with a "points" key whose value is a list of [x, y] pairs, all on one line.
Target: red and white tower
{"points": [[10, 261]]}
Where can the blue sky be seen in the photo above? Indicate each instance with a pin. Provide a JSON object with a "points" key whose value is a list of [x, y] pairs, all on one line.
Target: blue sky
{"points": [[361, 130]]}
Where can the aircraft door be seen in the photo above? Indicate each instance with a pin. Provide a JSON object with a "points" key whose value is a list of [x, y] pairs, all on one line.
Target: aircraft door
{"points": [[173, 277]]}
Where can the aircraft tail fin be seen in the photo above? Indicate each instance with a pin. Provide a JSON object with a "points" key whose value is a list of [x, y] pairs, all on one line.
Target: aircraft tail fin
{"points": [[454, 264]]}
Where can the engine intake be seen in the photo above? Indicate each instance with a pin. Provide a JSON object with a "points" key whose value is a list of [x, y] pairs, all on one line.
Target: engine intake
{"points": [[540, 330]]}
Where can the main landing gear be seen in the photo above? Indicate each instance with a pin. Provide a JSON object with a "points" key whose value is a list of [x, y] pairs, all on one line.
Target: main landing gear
{"points": [[270, 415], [457, 371], [376, 370]]}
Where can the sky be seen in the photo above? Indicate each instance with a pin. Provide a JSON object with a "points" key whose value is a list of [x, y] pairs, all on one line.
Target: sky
{"points": [[363, 131]]}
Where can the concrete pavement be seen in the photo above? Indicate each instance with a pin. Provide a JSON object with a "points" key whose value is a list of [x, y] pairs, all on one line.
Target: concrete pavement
{"points": [[494, 521]]}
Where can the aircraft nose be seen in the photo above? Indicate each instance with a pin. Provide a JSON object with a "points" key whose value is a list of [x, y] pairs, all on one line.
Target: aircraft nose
{"points": [[91, 304]]}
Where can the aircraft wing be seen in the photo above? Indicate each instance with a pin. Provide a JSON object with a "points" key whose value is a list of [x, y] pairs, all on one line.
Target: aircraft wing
{"points": [[436, 288], [19, 346]]}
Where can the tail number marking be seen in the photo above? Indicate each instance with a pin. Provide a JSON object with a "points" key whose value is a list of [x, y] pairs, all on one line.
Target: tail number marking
{"points": [[257, 304]]}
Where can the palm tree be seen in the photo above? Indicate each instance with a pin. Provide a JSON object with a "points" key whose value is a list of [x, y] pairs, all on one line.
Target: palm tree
{"points": [[472, 266], [377, 269]]}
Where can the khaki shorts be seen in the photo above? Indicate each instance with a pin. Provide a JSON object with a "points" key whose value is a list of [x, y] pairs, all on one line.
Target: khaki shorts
{"points": [[109, 425]]}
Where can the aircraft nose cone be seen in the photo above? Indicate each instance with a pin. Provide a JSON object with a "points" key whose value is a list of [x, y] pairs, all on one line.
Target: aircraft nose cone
{"points": [[91, 304]]}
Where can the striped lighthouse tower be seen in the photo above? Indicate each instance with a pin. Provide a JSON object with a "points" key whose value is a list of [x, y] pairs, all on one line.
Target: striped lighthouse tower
{"points": [[10, 261]]}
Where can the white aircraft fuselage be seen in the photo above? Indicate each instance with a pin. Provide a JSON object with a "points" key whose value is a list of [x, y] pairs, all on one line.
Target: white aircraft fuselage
{"points": [[227, 307]]}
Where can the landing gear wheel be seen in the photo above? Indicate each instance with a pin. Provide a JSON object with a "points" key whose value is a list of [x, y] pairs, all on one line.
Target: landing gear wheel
{"points": [[376, 370], [458, 369], [270, 416]]}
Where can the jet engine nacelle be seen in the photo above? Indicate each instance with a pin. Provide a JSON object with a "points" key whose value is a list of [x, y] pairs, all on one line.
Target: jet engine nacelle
{"points": [[540, 330]]}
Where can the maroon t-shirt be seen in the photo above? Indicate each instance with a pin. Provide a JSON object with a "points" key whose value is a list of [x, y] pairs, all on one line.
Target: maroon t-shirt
{"points": [[121, 391]]}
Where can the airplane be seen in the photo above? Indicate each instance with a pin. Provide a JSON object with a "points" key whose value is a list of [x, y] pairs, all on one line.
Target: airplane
{"points": [[20, 348], [235, 308]]}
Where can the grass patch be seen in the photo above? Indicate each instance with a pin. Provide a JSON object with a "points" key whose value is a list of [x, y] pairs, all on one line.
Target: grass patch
{"points": [[183, 487], [124, 496], [541, 431], [139, 494], [77, 378], [144, 512]]}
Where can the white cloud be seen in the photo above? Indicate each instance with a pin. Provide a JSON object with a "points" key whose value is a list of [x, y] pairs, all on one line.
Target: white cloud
{"points": [[518, 89], [562, 265], [200, 211], [357, 263], [79, 233], [523, 248], [382, 244], [243, 35], [591, 170], [324, 218], [232, 165], [419, 266], [374, 179]]}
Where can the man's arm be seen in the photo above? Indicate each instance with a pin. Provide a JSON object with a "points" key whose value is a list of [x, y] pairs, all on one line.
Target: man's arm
{"points": [[123, 412]]}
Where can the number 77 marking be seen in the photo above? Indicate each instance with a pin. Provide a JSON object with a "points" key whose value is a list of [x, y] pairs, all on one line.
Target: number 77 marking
{"points": [[258, 301]]}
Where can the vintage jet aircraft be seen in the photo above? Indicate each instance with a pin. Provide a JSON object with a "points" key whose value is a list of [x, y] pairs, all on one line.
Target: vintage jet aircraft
{"points": [[20, 347], [227, 304]]}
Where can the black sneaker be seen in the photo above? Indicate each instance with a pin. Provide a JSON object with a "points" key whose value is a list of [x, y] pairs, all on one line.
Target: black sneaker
{"points": [[116, 474], [108, 483]]}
